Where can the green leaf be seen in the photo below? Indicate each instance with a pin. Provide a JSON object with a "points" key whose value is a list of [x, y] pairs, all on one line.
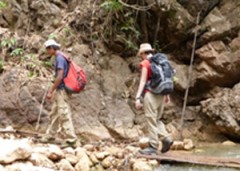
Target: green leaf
{"points": [[52, 36], [112, 5], [1, 65], [47, 64], [4, 43], [17, 52], [3, 4], [12, 42], [31, 74]]}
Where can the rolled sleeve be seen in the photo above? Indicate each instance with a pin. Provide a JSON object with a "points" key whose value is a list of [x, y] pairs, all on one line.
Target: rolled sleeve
{"points": [[60, 62]]}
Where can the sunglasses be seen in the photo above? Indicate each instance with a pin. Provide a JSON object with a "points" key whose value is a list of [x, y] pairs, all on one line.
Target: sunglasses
{"points": [[147, 52]]}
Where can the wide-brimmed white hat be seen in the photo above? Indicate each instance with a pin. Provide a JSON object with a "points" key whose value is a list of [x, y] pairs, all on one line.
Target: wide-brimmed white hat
{"points": [[51, 42], [145, 47]]}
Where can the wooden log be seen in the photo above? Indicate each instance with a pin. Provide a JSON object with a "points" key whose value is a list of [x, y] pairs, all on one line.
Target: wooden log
{"points": [[181, 157], [21, 132], [36, 136]]}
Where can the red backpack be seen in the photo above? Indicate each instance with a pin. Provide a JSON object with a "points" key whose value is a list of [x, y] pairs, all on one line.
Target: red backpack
{"points": [[75, 80]]}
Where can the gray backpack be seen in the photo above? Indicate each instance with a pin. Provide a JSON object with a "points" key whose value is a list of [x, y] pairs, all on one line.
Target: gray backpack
{"points": [[161, 81]]}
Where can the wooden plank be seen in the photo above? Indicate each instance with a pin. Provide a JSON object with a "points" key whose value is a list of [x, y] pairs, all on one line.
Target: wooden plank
{"points": [[180, 157]]}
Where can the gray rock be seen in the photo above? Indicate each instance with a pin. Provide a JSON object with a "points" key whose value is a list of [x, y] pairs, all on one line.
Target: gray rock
{"points": [[223, 110], [84, 162], [13, 150], [42, 161], [65, 165]]}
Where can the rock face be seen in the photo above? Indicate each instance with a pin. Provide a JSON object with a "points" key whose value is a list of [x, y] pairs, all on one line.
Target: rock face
{"points": [[219, 63], [105, 108], [223, 110], [95, 115]]}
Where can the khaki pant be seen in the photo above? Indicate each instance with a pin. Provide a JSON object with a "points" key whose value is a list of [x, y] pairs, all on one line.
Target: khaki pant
{"points": [[154, 128], [61, 117]]}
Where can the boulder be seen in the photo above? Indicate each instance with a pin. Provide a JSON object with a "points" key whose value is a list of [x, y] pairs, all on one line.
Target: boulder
{"points": [[90, 103], [102, 155], [219, 64], [119, 127], [223, 110], [84, 162], [89, 147], [42, 161], [188, 144], [229, 9], [216, 25], [64, 165], [177, 145], [115, 151], [2, 168], [13, 150], [93, 158], [35, 42], [69, 150], [235, 43], [180, 20], [181, 76], [17, 14], [228, 143], [46, 12], [71, 158], [26, 167], [53, 152], [141, 165], [97, 168], [144, 142], [131, 149], [109, 162]]}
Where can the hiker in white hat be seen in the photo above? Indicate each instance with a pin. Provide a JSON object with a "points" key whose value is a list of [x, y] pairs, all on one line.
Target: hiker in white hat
{"points": [[60, 115], [52, 43], [145, 47], [152, 105]]}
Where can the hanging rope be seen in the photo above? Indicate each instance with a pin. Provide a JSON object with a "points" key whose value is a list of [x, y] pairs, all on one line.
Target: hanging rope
{"points": [[190, 72]]}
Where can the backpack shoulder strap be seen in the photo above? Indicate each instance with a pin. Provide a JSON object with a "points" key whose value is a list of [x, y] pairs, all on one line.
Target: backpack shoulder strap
{"points": [[65, 56]]}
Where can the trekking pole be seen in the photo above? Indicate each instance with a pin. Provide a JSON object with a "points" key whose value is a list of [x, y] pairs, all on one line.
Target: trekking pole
{"points": [[41, 108], [190, 72]]}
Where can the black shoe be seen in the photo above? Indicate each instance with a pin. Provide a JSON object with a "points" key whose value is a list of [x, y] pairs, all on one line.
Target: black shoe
{"points": [[166, 145], [148, 151]]}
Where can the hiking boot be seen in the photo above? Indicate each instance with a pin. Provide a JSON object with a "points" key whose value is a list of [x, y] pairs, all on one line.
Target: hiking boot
{"points": [[73, 144], [166, 144], [148, 151]]}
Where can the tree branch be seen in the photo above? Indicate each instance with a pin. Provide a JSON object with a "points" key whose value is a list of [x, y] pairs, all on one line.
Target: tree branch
{"points": [[143, 21], [137, 7]]}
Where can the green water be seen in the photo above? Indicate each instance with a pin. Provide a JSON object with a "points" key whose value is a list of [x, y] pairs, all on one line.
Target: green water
{"points": [[206, 150]]}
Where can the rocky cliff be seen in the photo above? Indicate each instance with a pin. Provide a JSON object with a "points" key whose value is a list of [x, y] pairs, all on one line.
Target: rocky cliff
{"points": [[105, 109]]}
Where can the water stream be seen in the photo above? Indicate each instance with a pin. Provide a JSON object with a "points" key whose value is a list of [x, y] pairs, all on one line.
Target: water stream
{"points": [[206, 150]]}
